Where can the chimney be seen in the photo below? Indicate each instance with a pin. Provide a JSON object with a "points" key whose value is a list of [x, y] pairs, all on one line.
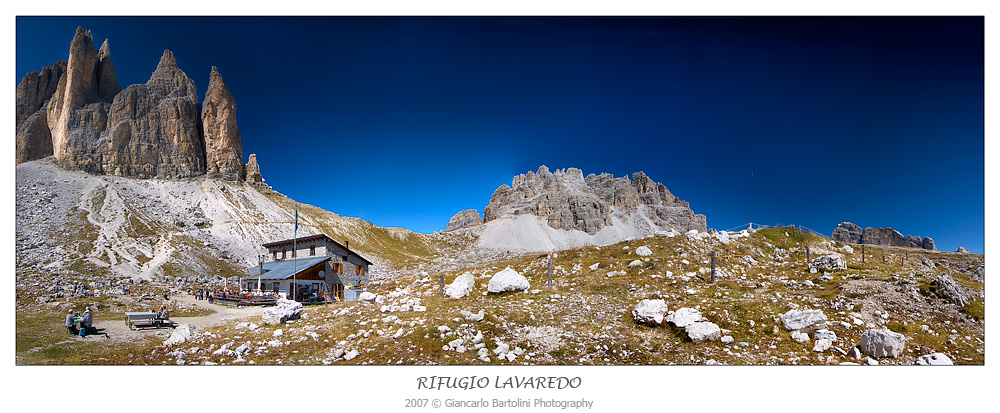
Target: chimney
{"points": [[347, 244]]}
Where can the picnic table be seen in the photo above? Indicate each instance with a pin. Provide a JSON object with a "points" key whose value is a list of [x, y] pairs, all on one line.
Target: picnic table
{"points": [[147, 318]]}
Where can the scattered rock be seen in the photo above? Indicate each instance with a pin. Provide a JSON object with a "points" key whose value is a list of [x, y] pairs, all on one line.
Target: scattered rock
{"points": [[962, 250], [703, 331], [684, 317], [650, 312], [882, 343], [284, 311], [643, 251], [934, 359], [945, 287], [180, 334], [804, 320]]}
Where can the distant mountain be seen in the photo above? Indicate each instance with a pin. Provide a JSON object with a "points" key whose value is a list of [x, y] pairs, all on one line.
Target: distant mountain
{"points": [[544, 211]]}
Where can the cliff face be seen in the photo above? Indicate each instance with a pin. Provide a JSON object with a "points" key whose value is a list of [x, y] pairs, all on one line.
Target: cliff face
{"points": [[154, 127], [568, 201], [76, 111], [223, 145], [850, 232]]}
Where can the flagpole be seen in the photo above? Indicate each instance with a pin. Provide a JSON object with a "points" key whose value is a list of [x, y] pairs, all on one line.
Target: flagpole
{"points": [[295, 262]]}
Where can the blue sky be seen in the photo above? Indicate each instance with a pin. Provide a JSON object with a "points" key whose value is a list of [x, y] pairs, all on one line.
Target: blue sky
{"points": [[406, 121]]}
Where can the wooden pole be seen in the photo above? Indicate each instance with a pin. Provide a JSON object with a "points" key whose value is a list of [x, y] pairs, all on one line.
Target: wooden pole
{"points": [[550, 271], [808, 256], [713, 267], [442, 283]]}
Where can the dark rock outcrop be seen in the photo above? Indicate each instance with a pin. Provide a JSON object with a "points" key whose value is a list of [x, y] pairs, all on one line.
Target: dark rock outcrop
{"points": [[223, 146], [571, 202], [850, 232]]}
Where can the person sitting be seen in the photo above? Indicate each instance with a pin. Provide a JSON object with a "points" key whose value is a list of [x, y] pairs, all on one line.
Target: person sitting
{"points": [[71, 323], [86, 323], [163, 315]]}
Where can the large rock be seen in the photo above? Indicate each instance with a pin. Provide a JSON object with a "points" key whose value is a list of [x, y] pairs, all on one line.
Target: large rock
{"points": [[568, 201], [804, 320], [962, 250], [650, 312], [507, 280], [223, 145], [461, 287], [465, 219], [703, 331], [945, 287], [684, 317], [153, 128], [284, 311], [828, 263], [882, 343], [848, 232], [934, 359], [180, 334]]}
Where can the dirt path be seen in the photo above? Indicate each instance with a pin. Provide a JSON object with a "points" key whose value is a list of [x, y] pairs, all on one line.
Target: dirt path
{"points": [[116, 328]]}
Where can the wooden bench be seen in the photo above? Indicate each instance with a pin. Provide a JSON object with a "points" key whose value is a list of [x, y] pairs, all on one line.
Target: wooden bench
{"points": [[147, 318]]}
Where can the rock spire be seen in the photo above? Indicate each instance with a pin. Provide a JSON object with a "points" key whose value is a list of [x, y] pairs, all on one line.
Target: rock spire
{"points": [[76, 111]]}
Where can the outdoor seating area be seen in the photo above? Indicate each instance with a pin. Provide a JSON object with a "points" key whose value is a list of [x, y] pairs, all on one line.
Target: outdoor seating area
{"points": [[146, 319], [242, 299]]}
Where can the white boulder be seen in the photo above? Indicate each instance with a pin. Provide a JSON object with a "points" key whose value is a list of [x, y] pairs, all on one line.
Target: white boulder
{"points": [[934, 359], [804, 320], [180, 334], [703, 331], [644, 251], [284, 311], [650, 312], [461, 287], [882, 343], [474, 316], [367, 296], [684, 317], [827, 263], [507, 280]]}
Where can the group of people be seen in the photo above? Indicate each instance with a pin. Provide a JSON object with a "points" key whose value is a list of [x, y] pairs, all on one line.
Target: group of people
{"points": [[86, 322]]}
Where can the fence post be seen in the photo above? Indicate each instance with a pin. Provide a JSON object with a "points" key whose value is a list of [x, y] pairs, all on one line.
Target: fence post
{"points": [[550, 271], [862, 254], [442, 283], [808, 257], [713, 267]]}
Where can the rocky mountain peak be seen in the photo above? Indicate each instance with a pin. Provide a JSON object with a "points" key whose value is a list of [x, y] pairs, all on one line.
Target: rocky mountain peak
{"points": [[223, 144], [565, 200], [851, 232], [76, 111]]}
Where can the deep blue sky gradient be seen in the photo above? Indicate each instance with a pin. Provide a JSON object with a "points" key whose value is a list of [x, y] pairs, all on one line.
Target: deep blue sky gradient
{"points": [[406, 121]]}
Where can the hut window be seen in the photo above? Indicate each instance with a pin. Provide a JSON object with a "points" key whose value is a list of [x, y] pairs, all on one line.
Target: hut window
{"points": [[312, 250], [360, 269], [337, 269]]}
